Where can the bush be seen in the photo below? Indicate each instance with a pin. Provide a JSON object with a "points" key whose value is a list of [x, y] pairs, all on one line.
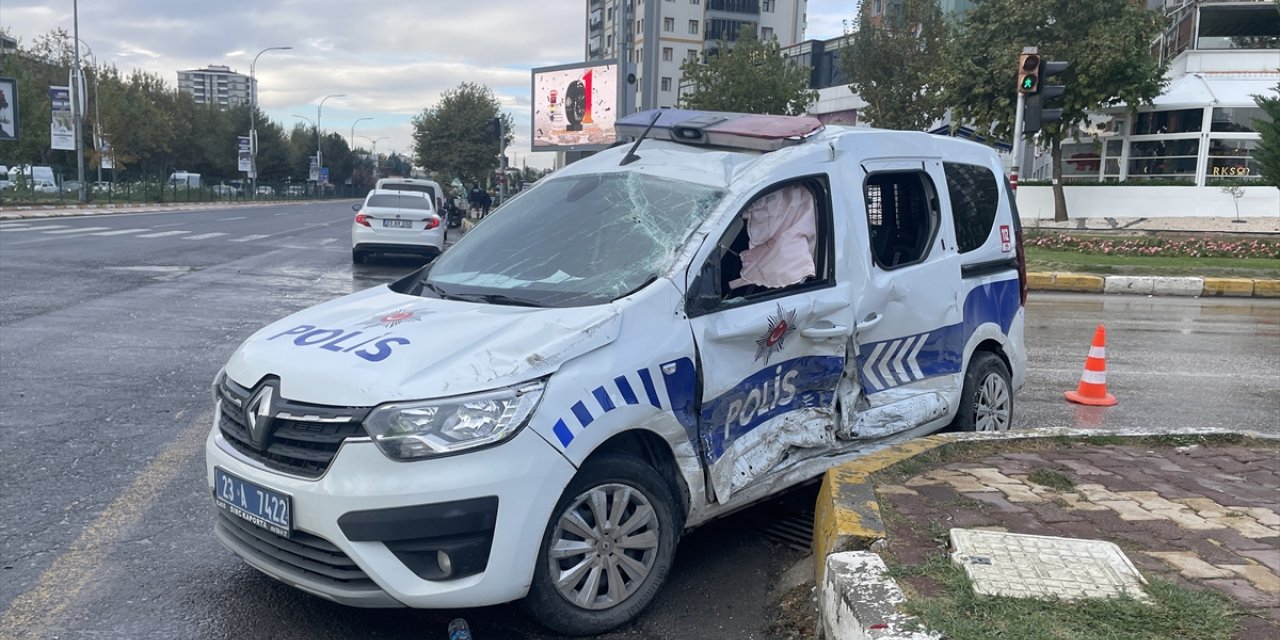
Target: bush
{"points": [[1183, 247]]}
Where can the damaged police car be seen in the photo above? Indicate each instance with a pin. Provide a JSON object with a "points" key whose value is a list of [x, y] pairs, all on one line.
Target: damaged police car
{"points": [[648, 339]]}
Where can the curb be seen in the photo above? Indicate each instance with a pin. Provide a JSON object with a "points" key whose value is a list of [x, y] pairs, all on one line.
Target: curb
{"points": [[49, 211], [856, 599], [1154, 285]]}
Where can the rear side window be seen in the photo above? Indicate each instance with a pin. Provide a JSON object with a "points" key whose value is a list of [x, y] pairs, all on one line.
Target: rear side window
{"points": [[975, 196], [901, 216]]}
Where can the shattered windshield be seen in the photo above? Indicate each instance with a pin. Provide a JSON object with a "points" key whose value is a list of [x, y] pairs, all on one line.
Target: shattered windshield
{"points": [[574, 241]]}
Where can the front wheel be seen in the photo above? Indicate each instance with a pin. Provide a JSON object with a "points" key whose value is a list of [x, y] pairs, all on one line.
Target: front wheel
{"points": [[607, 549], [986, 403]]}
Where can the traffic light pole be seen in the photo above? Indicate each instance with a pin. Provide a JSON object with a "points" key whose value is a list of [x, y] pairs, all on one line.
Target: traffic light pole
{"points": [[1017, 141]]}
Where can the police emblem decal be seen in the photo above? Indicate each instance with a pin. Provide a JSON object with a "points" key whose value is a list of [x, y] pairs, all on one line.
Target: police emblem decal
{"points": [[774, 338]]}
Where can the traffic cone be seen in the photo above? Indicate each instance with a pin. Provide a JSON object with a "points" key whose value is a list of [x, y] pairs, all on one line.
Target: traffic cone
{"points": [[1093, 381]]}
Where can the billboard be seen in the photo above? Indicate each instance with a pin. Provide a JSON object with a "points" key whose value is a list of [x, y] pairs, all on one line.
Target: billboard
{"points": [[574, 106], [244, 158], [8, 110], [62, 129]]}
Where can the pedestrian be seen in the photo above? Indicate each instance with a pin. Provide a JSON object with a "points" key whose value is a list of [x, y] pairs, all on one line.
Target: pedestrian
{"points": [[485, 202], [475, 198]]}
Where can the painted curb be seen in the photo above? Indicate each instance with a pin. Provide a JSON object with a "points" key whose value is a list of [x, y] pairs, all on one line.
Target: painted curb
{"points": [[847, 521], [1154, 285], [859, 601]]}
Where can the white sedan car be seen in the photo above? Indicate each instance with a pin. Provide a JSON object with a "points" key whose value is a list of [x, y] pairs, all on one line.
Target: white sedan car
{"points": [[396, 222]]}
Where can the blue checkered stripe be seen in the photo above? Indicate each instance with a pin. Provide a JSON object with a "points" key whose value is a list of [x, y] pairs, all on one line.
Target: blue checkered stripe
{"points": [[633, 389]]}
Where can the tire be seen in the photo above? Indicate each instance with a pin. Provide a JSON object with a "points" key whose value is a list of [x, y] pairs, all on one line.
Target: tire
{"points": [[575, 102], [614, 477], [986, 402], [358, 257]]}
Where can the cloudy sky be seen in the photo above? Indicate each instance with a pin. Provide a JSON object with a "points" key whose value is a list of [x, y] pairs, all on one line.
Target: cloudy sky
{"points": [[391, 58]]}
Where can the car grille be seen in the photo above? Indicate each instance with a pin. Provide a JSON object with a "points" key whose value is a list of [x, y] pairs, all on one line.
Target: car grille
{"points": [[304, 437], [317, 558]]}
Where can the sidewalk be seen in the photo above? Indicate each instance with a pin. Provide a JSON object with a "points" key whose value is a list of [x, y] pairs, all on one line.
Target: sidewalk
{"points": [[1203, 515]]}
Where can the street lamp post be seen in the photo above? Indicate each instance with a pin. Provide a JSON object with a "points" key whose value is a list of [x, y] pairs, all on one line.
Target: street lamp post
{"points": [[352, 137], [253, 119], [374, 143], [97, 108], [319, 159], [75, 102]]}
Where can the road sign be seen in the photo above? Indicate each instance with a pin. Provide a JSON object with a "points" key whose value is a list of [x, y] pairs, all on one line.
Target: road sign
{"points": [[324, 174]]}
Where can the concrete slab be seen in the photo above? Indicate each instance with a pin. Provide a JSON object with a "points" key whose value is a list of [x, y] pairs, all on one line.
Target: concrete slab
{"points": [[1026, 566]]}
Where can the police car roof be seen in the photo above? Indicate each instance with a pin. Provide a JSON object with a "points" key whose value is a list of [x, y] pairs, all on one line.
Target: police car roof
{"points": [[722, 166]]}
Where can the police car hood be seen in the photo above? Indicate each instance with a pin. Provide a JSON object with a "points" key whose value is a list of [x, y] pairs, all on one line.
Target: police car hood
{"points": [[378, 346]]}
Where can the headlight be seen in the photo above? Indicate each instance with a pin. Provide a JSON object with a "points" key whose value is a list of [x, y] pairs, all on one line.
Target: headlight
{"points": [[416, 430]]}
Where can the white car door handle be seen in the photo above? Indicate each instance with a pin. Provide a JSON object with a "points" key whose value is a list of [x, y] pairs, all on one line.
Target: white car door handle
{"points": [[870, 321], [822, 333]]}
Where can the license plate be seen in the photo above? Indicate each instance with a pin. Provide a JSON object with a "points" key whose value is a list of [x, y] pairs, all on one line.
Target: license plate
{"points": [[263, 507], [398, 224]]}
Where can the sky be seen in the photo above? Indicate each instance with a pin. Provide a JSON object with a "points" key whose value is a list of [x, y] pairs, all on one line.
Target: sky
{"points": [[390, 59]]}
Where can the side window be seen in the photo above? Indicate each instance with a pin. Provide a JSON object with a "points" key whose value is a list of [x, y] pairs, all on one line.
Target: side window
{"points": [[779, 244], [975, 196], [902, 215]]}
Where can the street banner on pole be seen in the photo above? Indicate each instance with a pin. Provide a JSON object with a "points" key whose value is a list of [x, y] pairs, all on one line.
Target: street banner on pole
{"points": [[62, 131], [106, 159], [324, 175], [8, 110], [244, 157], [314, 174]]}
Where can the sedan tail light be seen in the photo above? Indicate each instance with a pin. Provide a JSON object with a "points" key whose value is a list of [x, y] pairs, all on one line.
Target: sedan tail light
{"points": [[362, 219], [433, 223]]}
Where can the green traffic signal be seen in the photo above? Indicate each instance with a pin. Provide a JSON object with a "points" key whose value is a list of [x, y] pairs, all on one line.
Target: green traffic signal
{"points": [[1028, 83]]}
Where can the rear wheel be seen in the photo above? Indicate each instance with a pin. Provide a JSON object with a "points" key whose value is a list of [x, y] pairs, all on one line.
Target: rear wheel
{"points": [[607, 549], [986, 403]]}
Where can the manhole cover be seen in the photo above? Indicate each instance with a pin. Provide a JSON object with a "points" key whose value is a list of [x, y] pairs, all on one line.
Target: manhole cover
{"points": [[1025, 566]]}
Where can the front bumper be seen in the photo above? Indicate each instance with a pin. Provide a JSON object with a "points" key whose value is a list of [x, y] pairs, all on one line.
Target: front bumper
{"points": [[363, 523]]}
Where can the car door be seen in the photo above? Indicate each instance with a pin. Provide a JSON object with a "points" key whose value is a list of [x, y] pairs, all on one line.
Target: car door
{"points": [[908, 334], [772, 318]]}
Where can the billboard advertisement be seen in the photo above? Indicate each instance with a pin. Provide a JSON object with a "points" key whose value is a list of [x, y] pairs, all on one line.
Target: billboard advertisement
{"points": [[8, 110], [244, 158], [574, 106], [62, 130]]}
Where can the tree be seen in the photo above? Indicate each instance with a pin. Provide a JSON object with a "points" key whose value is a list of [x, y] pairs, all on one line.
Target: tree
{"points": [[893, 66], [454, 137], [750, 76], [1267, 154], [1107, 43]]}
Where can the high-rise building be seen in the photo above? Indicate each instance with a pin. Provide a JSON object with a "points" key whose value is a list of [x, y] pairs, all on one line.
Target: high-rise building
{"points": [[682, 29], [217, 85]]}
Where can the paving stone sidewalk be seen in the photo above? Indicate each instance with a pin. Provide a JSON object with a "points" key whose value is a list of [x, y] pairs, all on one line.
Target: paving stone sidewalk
{"points": [[1207, 516]]}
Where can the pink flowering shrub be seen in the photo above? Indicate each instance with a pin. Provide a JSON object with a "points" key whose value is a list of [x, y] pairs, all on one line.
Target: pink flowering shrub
{"points": [[1167, 247]]}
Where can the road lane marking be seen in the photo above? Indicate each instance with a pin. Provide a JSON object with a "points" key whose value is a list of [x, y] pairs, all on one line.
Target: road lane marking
{"points": [[328, 240], [76, 230], [256, 236], [205, 236], [164, 234], [42, 227], [235, 218], [31, 614], [118, 232]]}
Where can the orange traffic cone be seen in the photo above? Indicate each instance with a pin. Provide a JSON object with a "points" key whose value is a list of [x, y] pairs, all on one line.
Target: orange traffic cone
{"points": [[1093, 382]]}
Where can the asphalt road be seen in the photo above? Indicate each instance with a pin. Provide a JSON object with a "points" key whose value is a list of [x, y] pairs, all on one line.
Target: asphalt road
{"points": [[112, 327]]}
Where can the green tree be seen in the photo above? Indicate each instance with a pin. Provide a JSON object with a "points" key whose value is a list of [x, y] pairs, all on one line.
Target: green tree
{"points": [[453, 138], [893, 66], [749, 76], [1268, 153], [1107, 43]]}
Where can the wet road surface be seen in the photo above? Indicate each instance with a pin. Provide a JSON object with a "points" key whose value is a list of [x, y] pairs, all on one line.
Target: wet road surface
{"points": [[112, 327]]}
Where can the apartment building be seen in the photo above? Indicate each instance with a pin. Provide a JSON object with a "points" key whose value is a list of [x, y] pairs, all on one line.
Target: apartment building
{"points": [[681, 30], [217, 85]]}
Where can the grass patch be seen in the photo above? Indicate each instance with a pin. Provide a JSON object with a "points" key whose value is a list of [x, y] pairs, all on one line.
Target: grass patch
{"points": [[1055, 260], [1106, 441], [1052, 478], [1174, 612]]}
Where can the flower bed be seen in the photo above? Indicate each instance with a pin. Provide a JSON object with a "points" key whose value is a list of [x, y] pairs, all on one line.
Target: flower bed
{"points": [[1166, 247]]}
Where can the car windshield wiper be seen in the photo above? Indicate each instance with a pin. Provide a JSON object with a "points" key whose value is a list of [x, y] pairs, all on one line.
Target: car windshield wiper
{"points": [[426, 284], [500, 298]]}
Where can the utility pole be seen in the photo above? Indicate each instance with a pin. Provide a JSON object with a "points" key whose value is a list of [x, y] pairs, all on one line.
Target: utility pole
{"points": [[77, 88], [319, 160], [253, 120]]}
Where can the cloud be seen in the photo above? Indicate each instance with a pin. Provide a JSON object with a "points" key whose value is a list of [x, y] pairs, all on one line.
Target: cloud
{"points": [[391, 59]]}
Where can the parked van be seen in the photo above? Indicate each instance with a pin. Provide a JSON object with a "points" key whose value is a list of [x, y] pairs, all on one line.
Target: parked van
{"points": [[636, 345], [35, 175], [184, 179], [413, 184]]}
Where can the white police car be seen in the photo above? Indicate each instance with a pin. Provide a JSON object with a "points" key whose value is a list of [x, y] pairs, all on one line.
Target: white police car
{"points": [[648, 339]]}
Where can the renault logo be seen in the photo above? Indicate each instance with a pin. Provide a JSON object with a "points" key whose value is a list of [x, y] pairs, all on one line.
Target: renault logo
{"points": [[258, 415]]}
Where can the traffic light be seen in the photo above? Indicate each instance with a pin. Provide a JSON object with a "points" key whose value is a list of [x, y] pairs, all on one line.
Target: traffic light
{"points": [[495, 128], [1028, 73], [1043, 104]]}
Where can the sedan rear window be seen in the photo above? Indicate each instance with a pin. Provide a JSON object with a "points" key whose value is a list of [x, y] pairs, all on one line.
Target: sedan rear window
{"points": [[398, 202], [416, 188]]}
